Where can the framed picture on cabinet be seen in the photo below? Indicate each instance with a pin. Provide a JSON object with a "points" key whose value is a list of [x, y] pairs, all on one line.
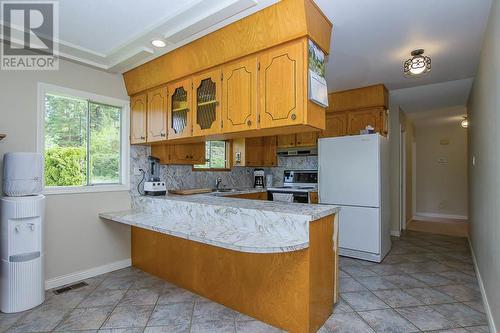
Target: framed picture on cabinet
{"points": [[318, 92]]}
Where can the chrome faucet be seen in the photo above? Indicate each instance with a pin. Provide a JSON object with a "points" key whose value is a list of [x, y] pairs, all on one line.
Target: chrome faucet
{"points": [[217, 182]]}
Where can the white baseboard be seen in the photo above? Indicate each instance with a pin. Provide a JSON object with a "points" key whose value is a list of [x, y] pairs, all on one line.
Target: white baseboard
{"points": [[395, 233], [82, 275], [423, 216], [487, 308]]}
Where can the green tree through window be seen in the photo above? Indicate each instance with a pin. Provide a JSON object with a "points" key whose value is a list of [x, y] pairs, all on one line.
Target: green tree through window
{"points": [[82, 142]]}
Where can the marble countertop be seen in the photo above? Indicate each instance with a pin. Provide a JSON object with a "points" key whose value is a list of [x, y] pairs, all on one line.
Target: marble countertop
{"points": [[254, 226]]}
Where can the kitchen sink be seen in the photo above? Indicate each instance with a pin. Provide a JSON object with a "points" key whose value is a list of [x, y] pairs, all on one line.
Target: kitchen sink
{"points": [[223, 190]]}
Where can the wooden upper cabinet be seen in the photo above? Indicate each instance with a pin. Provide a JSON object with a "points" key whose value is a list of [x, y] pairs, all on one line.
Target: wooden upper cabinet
{"points": [[138, 109], [281, 86], [359, 119], [192, 153], [306, 139], [254, 152], [207, 106], [157, 115], [239, 91], [336, 125], [286, 141], [180, 110]]}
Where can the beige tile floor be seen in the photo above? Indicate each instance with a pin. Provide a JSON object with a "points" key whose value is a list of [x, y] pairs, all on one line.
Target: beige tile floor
{"points": [[427, 283]]}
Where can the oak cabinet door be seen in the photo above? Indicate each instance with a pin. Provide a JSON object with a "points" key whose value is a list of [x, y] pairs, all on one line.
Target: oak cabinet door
{"points": [[313, 197], [359, 119], [180, 109], [281, 86], [138, 109], [269, 157], [192, 153], [207, 95], [157, 115], [336, 125], [286, 141], [306, 139], [239, 96]]}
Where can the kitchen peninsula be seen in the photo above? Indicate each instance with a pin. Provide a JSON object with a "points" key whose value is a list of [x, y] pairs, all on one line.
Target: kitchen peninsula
{"points": [[273, 261]]}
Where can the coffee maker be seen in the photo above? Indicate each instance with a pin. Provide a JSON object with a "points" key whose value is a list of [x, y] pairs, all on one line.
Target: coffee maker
{"points": [[258, 178]]}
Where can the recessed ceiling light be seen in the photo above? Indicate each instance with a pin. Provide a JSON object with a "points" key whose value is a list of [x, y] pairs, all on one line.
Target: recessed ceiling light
{"points": [[464, 123], [158, 43], [418, 64]]}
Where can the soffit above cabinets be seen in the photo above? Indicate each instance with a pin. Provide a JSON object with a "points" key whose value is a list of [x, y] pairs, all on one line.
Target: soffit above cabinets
{"points": [[116, 36]]}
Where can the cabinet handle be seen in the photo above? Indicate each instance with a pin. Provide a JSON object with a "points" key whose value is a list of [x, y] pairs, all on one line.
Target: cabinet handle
{"points": [[162, 134], [187, 156], [143, 138], [293, 116], [249, 123]]}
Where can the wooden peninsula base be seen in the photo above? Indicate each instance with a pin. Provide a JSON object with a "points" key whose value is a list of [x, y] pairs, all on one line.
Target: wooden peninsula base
{"points": [[294, 291]]}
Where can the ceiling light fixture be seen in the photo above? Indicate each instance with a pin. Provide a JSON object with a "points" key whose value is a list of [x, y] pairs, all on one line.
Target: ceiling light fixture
{"points": [[464, 123], [418, 64], [158, 43]]}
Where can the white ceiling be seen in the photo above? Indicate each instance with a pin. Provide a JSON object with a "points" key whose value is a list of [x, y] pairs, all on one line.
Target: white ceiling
{"points": [[116, 35], [371, 39]]}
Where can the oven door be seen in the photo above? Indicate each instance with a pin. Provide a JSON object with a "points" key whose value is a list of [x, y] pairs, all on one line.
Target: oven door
{"points": [[298, 197]]}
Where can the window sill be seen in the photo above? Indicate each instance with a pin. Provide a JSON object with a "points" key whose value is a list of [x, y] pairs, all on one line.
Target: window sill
{"points": [[84, 189]]}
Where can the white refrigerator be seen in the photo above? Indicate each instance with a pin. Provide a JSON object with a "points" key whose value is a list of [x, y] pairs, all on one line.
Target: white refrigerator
{"points": [[353, 173]]}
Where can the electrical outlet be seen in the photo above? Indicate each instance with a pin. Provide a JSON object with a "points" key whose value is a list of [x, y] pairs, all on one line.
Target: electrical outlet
{"points": [[137, 172]]}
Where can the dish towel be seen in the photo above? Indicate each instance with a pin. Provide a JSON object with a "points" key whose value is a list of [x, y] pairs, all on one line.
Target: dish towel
{"points": [[283, 197]]}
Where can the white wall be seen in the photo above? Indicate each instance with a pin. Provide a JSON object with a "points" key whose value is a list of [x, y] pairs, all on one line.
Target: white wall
{"points": [[76, 239], [484, 181], [441, 170]]}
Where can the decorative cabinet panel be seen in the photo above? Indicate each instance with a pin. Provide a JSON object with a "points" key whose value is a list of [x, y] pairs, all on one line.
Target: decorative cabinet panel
{"points": [[286, 141], [336, 125], [239, 96], [180, 109], [359, 119], [207, 108], [281, 86], [190, 153], [255, 152], [157, 115], [138, 116], [306, 139]]}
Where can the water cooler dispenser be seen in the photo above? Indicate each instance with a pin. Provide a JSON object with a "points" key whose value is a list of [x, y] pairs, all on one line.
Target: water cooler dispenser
{"points": [[22, 213]]}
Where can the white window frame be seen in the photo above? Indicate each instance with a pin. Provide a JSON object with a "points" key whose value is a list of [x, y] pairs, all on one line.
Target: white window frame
{"points": [[45, 88]]}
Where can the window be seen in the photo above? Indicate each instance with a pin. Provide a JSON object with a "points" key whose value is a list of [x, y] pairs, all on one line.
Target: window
{"points": [[216, 156], [83, 139]]}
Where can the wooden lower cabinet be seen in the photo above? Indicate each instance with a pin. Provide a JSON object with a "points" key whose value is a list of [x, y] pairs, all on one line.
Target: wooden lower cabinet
{"points": [[313, 198], [189, 153], [251, 196], [294, 291], [254, 152]]}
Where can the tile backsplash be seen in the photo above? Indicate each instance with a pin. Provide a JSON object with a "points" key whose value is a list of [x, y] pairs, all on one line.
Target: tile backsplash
{"points": [[182, 176]]}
